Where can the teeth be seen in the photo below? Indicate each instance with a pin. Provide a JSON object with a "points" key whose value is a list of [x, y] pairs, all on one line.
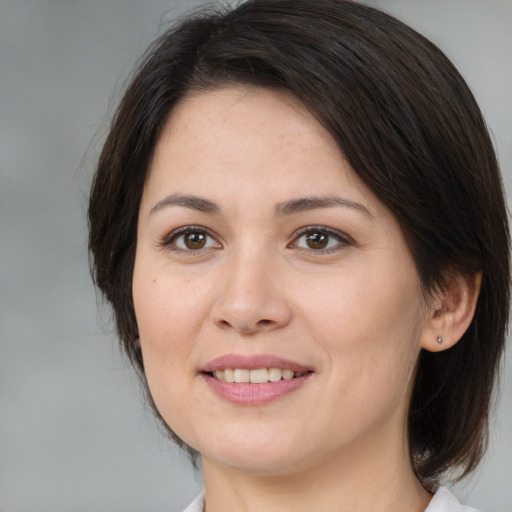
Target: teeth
{"points": [[242, 375], [229, 376], [259, 376], [287, 374], [274, 374]]}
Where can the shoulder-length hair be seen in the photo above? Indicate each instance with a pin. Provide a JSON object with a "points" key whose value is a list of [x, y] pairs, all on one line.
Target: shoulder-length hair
{"points": [[410, 128]]}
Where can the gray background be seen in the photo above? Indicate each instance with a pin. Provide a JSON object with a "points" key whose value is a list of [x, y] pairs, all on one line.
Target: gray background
{"points": [[74, 433]]}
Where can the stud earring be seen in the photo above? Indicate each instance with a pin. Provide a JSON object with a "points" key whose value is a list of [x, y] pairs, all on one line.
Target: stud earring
{"points": [[440, 340]]}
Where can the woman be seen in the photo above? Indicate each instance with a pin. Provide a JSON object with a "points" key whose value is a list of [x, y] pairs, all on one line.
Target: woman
{"points": [[299, 222]]}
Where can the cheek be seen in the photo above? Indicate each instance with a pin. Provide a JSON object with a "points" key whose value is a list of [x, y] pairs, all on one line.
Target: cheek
{"points": [[165, 317], [362, 303], [369, 326], [168, 303]]}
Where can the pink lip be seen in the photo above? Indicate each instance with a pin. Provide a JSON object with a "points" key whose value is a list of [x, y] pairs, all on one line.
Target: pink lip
{"points": [[254, 362], [253, 394]]}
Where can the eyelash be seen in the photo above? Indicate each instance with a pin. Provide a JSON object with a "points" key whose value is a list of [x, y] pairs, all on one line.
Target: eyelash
{"points": [[169, 242], [342, 239]]}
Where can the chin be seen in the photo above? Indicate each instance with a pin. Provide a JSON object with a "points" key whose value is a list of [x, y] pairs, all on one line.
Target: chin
{"points": [[261, 457], [265, 466]]}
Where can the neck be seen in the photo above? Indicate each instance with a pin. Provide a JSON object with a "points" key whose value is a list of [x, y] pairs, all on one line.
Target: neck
{"points": [[372, 476]]}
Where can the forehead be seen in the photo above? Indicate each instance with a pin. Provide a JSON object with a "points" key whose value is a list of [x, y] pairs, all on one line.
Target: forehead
{"points": [[243, 120], [246, 134]]}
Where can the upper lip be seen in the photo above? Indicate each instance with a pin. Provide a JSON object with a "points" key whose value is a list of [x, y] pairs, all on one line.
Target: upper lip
{"points": [[253, 362]]}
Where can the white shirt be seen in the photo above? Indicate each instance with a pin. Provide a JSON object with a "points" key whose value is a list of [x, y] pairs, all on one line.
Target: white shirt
{"points": [[442, 501]]}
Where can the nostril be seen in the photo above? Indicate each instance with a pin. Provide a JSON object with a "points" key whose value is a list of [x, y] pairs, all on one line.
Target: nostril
{"points": [[264, 322]]}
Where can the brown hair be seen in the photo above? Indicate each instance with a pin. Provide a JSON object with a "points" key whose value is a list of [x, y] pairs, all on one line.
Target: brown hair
{"points": [[409, 126]]}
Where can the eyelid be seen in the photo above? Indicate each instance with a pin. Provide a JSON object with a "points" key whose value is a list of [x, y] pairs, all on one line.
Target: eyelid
{"points": [[167, 241], [343, 238]]}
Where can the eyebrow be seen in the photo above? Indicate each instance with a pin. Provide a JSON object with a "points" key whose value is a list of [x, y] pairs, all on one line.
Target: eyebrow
{"points": [[187, 201], [305, 204], [291, 207]]}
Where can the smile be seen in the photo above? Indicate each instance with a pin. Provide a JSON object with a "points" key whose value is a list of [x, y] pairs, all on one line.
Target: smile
{"points": [[253, 380], [257, 376]]}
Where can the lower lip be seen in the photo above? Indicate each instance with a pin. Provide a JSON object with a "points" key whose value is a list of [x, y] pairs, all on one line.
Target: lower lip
{"points": [[254, 394]]}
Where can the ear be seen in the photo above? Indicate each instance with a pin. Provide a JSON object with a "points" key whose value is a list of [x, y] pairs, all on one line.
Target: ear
{"points": [[451, 312]]}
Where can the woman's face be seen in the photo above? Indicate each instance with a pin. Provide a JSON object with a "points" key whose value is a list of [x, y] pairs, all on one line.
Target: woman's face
{"points": [[261, 256]]}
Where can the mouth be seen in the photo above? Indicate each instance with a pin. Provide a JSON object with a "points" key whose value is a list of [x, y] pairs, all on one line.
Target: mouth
{"points": [[254, 380], [255, 376]]}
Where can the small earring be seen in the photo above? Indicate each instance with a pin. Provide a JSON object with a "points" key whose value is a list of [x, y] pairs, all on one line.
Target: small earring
{"points": [[440, 340]]}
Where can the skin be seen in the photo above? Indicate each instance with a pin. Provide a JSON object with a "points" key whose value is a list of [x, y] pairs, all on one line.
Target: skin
{"points": [[353, 313]]}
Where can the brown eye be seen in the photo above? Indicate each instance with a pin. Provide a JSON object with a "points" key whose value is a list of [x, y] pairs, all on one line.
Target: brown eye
{"points": [[188, 239], [317, 240], [321, 240], [194, 240]]}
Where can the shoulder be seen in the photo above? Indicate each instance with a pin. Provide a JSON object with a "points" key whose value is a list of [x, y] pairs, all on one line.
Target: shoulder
{"points": [[445, 501], [197, 505]]}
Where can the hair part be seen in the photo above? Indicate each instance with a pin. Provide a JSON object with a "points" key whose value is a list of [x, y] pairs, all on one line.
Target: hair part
{"points": [[409, 126]]}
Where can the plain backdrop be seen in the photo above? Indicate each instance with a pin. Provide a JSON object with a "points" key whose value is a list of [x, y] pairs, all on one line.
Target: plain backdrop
{"points": [[74, 432]]}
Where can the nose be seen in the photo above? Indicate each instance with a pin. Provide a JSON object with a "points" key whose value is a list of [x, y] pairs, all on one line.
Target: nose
{"points": [[251, 296]]}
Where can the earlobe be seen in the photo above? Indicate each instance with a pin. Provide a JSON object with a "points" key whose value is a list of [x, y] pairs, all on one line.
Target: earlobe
{"points": [[451, 312]]}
